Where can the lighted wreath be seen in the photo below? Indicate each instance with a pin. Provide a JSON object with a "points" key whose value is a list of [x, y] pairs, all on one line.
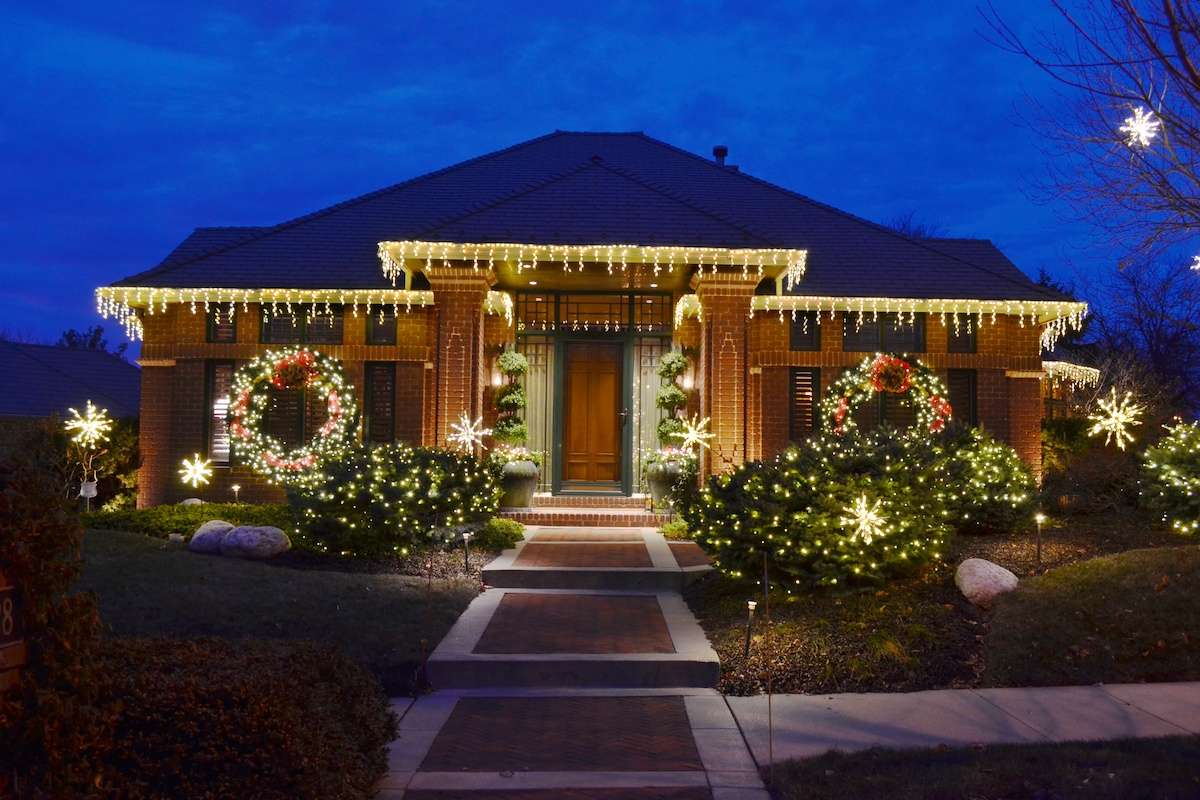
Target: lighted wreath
{"points": [[887, 373], [322, 378]]}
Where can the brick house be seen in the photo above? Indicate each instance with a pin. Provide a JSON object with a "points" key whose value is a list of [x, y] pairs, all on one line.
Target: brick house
{"points": [[592, 253]]}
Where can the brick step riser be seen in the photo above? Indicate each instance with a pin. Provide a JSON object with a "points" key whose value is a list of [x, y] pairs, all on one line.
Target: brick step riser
{"points": [[610, 580], [576, 673], [588, 501], [584, 519]]}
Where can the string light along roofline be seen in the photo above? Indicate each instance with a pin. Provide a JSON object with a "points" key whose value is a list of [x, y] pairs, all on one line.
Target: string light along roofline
{"points": [[396, 257], [1076, 376], [124, 302], [1058, 316]]}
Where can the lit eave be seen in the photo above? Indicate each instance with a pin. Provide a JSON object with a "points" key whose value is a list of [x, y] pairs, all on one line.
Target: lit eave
{"points": [[1076, 376]]}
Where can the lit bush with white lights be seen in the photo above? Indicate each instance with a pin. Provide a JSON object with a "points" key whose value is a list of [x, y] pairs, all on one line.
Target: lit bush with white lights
{"points": [[388, 499], [988, 488], [839, 509], [1171, 477]]}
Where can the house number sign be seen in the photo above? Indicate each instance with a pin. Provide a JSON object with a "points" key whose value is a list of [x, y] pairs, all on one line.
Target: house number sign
{"points": [[12, 642]]}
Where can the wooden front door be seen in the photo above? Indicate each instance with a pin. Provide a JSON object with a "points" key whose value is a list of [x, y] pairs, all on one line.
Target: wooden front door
{"points": [[592, 419]]}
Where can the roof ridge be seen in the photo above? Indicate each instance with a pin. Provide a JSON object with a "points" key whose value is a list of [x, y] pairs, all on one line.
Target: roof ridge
{"points": [[362, 198], [75, 379], [805, 198]]}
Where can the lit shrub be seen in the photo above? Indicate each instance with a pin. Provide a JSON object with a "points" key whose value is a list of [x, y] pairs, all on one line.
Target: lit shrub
{"points": [[1171, 477], [498, 534], [384, 500], [840, 509], [988, 488], [161, 521]]}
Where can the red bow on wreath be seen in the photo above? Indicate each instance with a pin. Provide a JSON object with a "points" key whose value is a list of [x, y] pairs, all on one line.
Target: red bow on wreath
{"points": [[941, 407], [891, 374], [294, 370]]}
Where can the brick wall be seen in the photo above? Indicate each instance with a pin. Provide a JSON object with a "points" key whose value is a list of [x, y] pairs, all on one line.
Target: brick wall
{"points": [[174, 418], [1008, 406], [725, 298]]}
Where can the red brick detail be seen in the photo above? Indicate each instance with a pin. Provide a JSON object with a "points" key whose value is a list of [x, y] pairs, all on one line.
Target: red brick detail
{"points": [[649, 793], [565, 734], [725, 300], [588, 501], [459, 361], [572, 623], [600, 555], [774, 411], [585, 536], [585, 518], [154, 436], [1025, 420], [689, 554]]}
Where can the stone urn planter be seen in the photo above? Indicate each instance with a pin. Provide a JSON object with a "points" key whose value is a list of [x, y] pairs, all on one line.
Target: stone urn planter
{"points": [[660, 477], [519, 479]]}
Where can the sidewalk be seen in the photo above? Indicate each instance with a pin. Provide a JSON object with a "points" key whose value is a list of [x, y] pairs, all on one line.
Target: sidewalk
{"points": [[810, 725]]}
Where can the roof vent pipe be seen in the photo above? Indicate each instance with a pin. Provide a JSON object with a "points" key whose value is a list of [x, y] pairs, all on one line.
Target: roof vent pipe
{"points": [[719, 153]]}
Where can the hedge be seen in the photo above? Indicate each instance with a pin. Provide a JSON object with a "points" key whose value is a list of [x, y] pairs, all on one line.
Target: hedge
{"points": [[161, 521]]}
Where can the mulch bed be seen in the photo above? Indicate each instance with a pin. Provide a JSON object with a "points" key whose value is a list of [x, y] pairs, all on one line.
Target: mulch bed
{"points": [[430, 563]]}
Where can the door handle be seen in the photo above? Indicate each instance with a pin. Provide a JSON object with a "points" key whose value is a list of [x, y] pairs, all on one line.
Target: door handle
{"points": [[624, 416]]}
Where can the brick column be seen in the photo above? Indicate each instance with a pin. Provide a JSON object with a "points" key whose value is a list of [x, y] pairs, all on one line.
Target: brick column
{"points": [[1025, 417], [725, 300], [459, 363], [154, 433]]}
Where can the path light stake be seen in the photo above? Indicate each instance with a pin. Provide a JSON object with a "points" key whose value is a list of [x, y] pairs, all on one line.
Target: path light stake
{"points": [[466, 551], [236, 488], [750, 604], [1038, 518]]}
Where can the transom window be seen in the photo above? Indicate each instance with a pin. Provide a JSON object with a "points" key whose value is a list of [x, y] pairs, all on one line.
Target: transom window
{"points": [[593, 313]]}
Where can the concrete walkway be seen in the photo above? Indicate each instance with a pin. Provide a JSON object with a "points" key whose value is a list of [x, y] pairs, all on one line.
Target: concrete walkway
{"points": [[582, 674]]}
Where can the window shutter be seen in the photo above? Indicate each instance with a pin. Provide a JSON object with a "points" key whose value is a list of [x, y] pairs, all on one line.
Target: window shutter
{"points": [[898, 409], [380, 402], [284, 418], [961, 385], [804, 393], [220, 383]]}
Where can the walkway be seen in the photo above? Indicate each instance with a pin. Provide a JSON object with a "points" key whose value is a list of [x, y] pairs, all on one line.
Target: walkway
{"points": [[582, 674]]}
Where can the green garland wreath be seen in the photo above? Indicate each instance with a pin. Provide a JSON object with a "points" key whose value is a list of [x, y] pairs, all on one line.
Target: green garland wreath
{"points": [[292, 368], [887, 373]]}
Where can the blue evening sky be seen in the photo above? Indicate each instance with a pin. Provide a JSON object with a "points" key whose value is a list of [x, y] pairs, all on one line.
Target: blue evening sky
{"points": [[125, 125]]}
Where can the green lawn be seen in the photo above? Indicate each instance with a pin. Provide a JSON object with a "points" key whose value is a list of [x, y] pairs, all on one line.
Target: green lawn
{"points": [[1089, 619], [147, 587], [1127, 618], [1145, 769]]}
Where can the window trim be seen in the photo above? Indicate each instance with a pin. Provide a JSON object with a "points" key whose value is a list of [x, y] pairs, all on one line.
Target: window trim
{"points": [[210, 368], [793, 437]]}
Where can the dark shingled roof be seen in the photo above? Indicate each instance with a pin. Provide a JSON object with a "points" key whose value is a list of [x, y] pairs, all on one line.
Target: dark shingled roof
{"points": [[38, 380], [592, 188]]}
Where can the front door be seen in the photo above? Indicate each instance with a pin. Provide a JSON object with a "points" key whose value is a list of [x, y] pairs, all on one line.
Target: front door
{"points": [[592, 416]]}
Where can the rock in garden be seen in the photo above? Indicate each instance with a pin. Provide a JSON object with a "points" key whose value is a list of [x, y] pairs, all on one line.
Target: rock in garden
{"points": [[207, 538], [191, 501], [982, 582], [255, 542]]}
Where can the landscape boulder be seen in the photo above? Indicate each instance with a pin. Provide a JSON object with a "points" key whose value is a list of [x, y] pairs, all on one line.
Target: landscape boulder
{"points": [[982, 582], [191, 501], [207, 538], [255, 542]]}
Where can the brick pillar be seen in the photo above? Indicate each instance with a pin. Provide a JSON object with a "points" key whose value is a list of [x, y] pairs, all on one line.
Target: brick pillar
{"points": [[459, 363], [725, 300], [1025, 418], [154, 433]]}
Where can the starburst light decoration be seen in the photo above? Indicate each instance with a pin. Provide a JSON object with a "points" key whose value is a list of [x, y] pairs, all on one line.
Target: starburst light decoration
{"points": [[466, 434], [196, 471], [1196, 263], [864, 519], [1115, 417], [90, 428], [1140, 128], [695, 434]]}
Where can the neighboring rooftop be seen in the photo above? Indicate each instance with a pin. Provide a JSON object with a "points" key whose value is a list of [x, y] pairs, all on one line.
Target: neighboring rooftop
{"points": [[592, 188], [39, 380]]}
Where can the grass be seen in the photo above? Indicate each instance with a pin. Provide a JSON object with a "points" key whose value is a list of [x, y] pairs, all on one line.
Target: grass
{"points": [[1127, 618], [1141, 769], [147, 587], [918, 632]]}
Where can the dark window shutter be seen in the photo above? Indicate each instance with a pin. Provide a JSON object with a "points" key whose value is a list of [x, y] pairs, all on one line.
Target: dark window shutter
{"points": [[380, 396], [804, 395], [806, 331], [219, 384], [962, 388], [897, 409], [222, 323], [284, 418]]}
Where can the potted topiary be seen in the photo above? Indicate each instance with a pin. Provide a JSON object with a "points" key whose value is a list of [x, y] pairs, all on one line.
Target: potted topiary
{"points": [[663, 467], [519, 467]]}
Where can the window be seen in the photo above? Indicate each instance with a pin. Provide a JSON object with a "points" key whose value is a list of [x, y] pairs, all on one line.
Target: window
{"points": [[960, 338], [804, 394], [961, 385], [889, 333], [222, 323], [279, 326], [218, 383], [379, 399], [381, 325], [806, 331]]}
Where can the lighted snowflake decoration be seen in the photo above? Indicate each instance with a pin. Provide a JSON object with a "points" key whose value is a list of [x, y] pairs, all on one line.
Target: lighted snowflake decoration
{"points": [[196, 471], [91, 428], [1115, 417], [695, 433], [1141, 128], [465, 434], [864, 519], [1196, 263]]}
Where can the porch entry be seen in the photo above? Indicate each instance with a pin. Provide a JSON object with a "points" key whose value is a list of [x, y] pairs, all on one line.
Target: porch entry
{"points": [[591, 385]]}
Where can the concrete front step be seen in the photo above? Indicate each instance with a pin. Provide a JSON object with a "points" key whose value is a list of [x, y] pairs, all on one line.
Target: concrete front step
{"points": [[567, 516], [565, 638], [543, 500]]}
